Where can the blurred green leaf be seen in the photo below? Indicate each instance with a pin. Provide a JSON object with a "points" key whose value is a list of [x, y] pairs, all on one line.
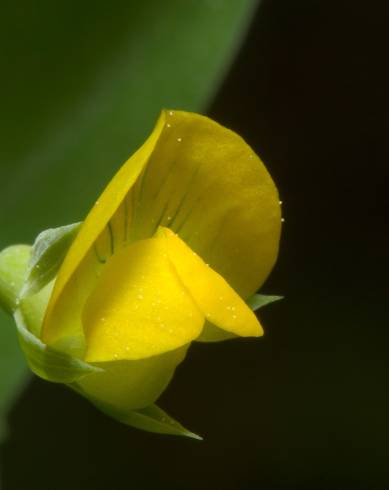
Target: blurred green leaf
{"points": [[82, 84], [13, 372], [13, 264]]}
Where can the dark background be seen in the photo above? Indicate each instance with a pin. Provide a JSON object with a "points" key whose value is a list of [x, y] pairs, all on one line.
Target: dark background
{"points": [[307, 406]]}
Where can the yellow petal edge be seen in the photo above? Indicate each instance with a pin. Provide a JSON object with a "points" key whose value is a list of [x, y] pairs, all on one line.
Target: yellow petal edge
{"points": [[220, 304], [98, 217]]}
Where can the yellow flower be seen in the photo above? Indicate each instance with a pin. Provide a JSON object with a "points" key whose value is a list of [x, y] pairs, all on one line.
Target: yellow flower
{"points": [[182, 236]]}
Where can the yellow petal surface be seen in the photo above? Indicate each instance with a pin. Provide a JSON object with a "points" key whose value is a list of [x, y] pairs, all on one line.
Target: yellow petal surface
{"points": [[206, 184], [220, 304], [63, 312], [139, 307], [128, 385], [193, 176]]}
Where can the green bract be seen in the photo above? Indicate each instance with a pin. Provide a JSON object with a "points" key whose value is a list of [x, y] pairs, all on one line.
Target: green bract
{"points": [[172, 252]]}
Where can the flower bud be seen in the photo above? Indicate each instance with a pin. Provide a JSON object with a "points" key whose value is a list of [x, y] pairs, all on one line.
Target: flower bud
{"points": [[172, 252]]}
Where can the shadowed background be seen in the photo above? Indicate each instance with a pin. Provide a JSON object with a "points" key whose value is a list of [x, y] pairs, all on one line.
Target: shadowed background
{"points": [[306, 406]]}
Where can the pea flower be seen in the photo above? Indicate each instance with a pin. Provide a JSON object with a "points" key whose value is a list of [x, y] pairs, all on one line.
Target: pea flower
{"points": [[172, 252]]}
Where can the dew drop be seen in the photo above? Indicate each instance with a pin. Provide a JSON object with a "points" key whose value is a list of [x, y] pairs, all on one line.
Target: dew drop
{"points": [[282, 220], [179, 140], [171, 113], [280, 202], [168, 125]]}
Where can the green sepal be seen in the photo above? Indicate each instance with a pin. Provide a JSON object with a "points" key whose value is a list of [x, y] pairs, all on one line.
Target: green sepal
{"points": [[257, 301], [47, 254], [150, 419], [46, 362], [13, 263]]}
